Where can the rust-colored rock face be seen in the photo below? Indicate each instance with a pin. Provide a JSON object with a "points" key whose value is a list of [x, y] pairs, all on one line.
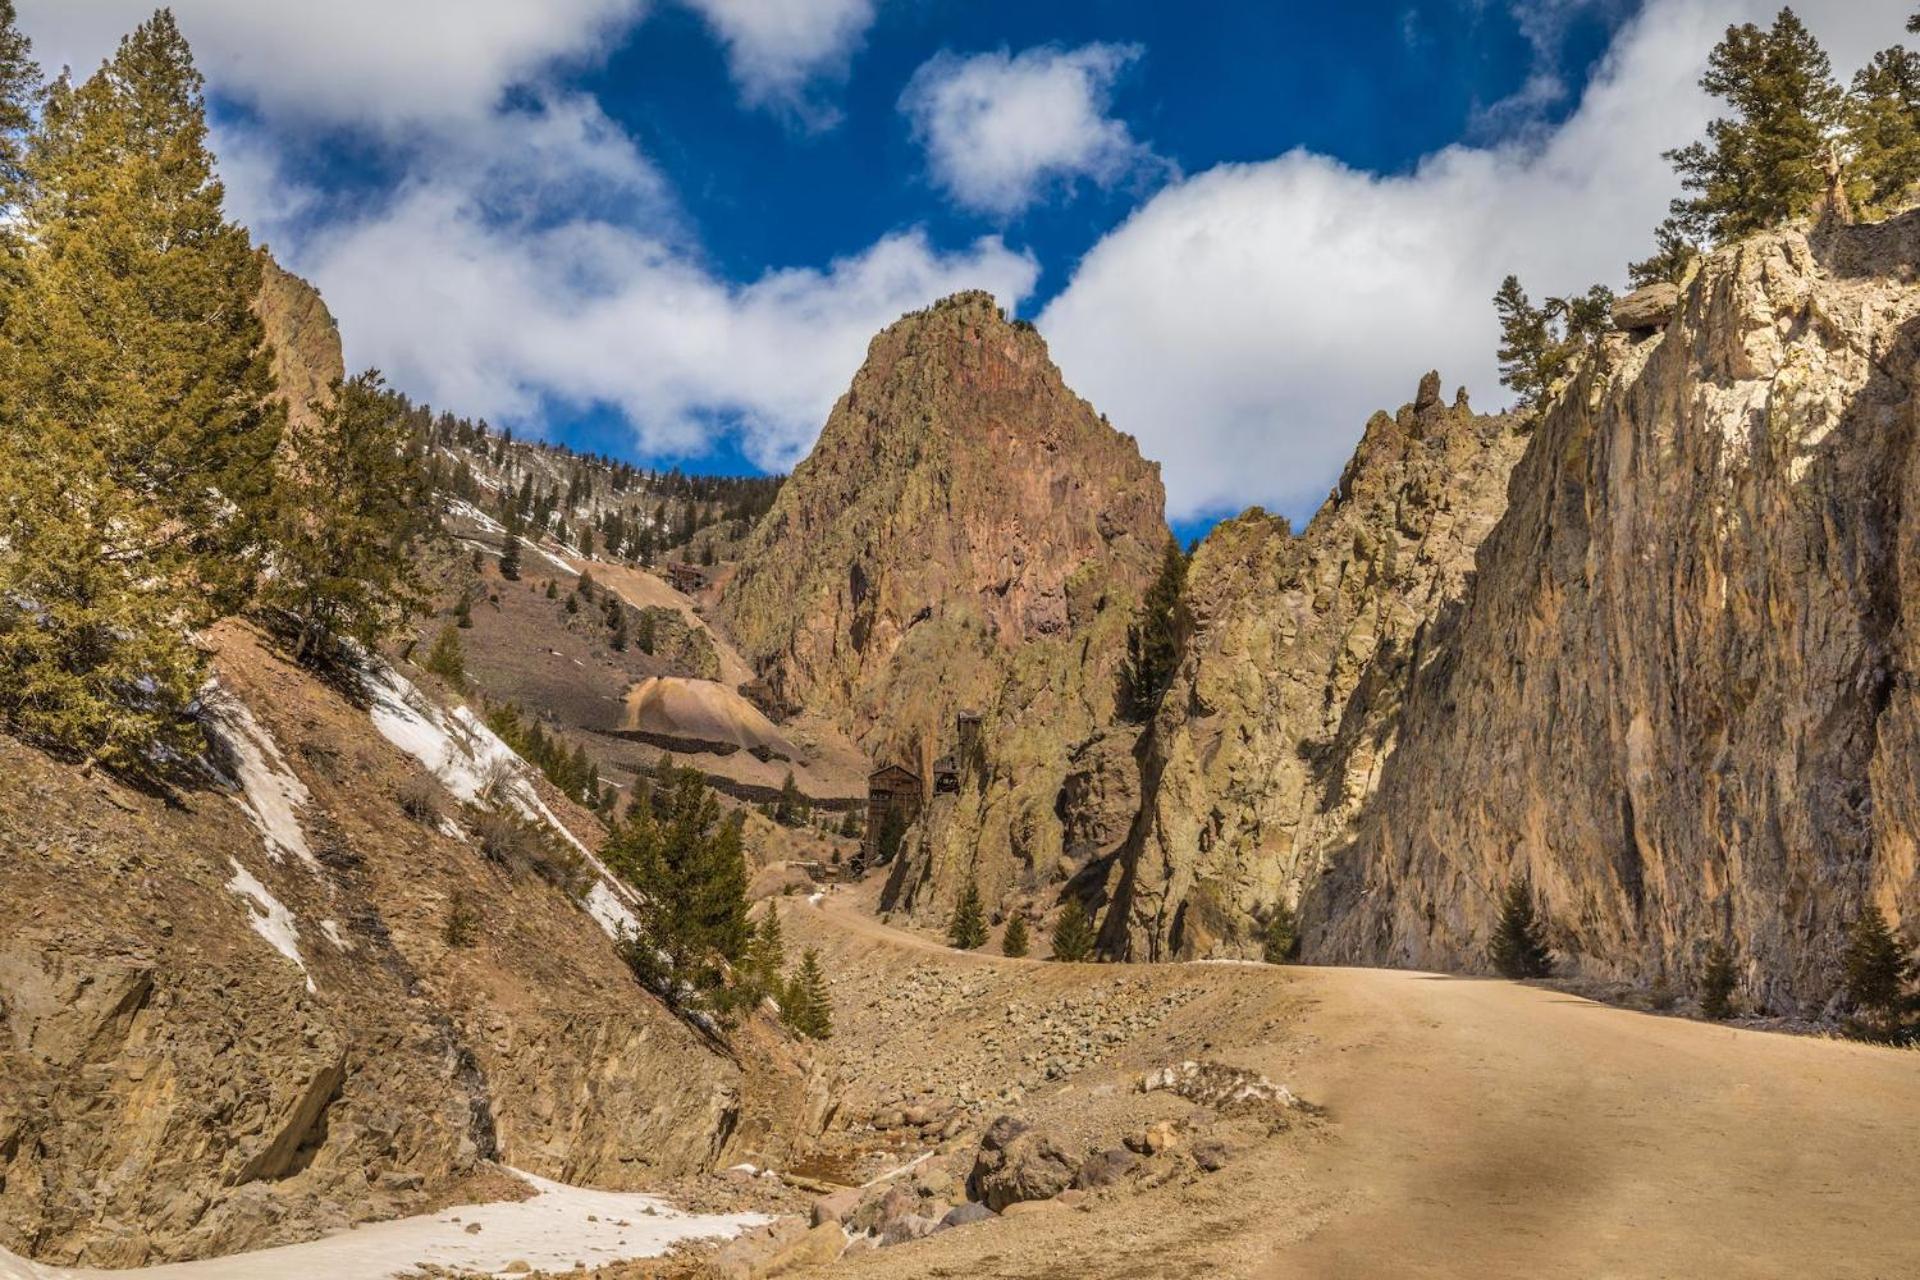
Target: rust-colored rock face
{"points": [[967, 534], [1299, 654], [307, 359], [1679, 693]]}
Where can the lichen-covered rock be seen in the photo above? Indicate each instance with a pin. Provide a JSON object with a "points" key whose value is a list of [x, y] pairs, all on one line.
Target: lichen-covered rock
{"points": [[1283, 708], [1649, 308], [966, 534]]}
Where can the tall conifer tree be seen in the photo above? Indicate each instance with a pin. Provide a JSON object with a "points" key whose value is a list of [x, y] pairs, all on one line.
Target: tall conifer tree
{"points": [[1767, 161], [350, 510], [137, 427]]}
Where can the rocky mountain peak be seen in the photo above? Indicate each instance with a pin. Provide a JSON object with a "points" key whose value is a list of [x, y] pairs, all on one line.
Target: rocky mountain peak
{"points": [[966, 534]]}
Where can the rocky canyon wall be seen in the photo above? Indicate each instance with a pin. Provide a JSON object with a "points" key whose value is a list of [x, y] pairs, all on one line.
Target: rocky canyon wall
{"points": [[1679, 695]]}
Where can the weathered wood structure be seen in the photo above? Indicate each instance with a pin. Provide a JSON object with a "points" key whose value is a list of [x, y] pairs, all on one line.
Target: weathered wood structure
{"points": [[895, 792], [686, 578]]}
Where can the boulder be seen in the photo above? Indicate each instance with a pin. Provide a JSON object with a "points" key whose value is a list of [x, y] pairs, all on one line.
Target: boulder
{"points": [[1018, 1163], [1644, 309], [818, 1247], [965, 1215], [1212, 1155], [913, 1226], [837, 1207], [1104, 1168]]}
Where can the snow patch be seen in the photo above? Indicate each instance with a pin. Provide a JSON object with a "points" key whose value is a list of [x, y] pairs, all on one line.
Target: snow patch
{"points": [[604, 905], [467, 511], [550, 558], [269, 918], [559, 1226], [339, 940], [457, 748], [271, 794]]}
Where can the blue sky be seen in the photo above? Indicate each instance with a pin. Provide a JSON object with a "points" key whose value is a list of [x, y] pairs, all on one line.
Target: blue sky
{"points": [[666, 228]]}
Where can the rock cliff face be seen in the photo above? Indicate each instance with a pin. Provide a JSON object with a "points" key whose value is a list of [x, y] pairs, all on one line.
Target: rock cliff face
{"points": [[1295, 666], [967, 534], [233, 1018], [307, 360], [1680, 693]]}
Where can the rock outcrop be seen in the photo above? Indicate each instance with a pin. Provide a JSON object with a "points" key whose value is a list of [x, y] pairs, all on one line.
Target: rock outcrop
{"points": [[307, 358], [1298, 656], [1679, 695], [967, 534]]}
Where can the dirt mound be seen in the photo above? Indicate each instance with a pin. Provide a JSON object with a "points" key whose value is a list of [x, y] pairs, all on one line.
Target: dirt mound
{"points": [[701, 716]]}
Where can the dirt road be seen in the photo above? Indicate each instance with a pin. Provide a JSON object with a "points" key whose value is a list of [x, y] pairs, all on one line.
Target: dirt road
{"points": [[1488, 1129]]}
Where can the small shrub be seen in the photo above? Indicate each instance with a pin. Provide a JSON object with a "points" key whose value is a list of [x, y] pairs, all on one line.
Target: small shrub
{"points": [[1661, 996], [967, 928], [1717, 981], [448, 658], [1073, 937], [1278, 939], [419, 798], [463, 921]]}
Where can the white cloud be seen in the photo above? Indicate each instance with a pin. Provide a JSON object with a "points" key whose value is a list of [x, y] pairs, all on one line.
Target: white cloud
{"points": [[531, 254], [381, 64], [1002, 130], [777, 49], [493, 315], [1244, 322]]}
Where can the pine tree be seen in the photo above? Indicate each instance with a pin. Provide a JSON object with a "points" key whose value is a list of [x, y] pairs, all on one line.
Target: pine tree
{"points": [[1883, 128], [1277, 939], [767, 953], [352, 499], [787, 809], [1073, 938], [809, 1001], [1526, 342], [1717, 981], [1877, 966], [967, 927], [19, 86], [1153, 643], [448, 658], [137, 426], [687, 864], [1765, 163], [1673, 253], [1518, 949], [1014, 941], [510, 553]]}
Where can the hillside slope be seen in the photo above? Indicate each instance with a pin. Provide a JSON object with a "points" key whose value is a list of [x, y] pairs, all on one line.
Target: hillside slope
{"points": [[234, 1016]]}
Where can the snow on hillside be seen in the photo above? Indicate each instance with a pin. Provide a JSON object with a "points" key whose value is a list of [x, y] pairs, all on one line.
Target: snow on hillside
{"points": [[271, 794], [476, 767], [269, 918]]}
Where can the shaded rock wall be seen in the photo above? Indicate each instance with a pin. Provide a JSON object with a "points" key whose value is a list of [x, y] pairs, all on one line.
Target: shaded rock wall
{"points": [[1297, 657]]}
